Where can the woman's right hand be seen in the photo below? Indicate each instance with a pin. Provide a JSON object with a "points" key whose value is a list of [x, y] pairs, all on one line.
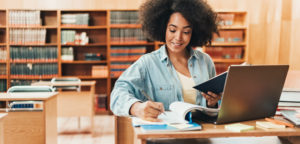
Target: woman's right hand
{"points": [[148, 110]]}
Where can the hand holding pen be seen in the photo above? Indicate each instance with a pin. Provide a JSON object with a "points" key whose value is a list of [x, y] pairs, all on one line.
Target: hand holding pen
{"points": [[148, 110]]}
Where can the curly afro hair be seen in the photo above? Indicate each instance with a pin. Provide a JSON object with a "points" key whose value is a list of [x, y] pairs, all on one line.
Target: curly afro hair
{"points": [[155, 14]]}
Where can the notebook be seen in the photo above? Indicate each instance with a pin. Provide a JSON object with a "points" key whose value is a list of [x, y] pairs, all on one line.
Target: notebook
{"points": [[250, 92]]}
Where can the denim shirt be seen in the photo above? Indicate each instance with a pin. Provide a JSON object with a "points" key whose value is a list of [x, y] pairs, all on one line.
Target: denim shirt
{"points": [[154, 74]]}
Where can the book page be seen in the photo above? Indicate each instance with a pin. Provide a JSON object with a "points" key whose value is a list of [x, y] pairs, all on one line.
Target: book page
{"points": [[182, 108]]}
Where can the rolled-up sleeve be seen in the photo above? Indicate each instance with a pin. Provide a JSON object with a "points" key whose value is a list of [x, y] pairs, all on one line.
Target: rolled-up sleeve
{"points": [[126, 89]]}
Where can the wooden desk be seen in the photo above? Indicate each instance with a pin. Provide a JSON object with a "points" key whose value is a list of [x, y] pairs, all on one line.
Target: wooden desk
{"points": [[2, 115], [73, 103], [213, 131], [31, 127]]}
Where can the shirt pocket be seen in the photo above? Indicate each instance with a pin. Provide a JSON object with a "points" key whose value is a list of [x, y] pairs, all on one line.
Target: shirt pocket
{"points": [[165, 94]]}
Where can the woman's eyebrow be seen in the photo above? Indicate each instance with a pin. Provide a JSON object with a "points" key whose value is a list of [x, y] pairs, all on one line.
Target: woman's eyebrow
{"points": [[183, 27]]}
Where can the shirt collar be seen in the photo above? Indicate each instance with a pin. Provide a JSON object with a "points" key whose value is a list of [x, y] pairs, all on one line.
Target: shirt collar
{"points": [[164, 55]]}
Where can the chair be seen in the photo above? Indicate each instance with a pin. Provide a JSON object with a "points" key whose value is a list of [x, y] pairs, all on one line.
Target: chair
{"points": [[74, 86], [14, 89]]}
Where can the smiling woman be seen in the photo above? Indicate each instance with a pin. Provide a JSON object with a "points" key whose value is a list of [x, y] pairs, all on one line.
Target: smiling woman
{"points": [[169, 73]]}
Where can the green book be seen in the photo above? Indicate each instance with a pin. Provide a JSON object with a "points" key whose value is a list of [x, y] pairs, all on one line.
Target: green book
{"points": [[238, 127]]}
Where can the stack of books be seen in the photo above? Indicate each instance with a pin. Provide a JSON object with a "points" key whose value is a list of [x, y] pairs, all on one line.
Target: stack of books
{"points": [[289, 100], [81, 19]]}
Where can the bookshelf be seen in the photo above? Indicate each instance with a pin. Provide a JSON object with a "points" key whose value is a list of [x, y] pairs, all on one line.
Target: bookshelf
{"points": [[230, 47], [90, 44]]}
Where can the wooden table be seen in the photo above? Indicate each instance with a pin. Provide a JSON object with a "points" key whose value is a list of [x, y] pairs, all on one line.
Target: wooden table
{"points": [[213, 131], [2, 115], [31, 127], [73, 103]]}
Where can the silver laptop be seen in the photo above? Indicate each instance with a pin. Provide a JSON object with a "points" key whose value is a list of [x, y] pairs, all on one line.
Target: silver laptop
{"points": [[251, 92]]}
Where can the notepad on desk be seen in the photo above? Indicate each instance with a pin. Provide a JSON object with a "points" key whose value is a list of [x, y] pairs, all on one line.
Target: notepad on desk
{"points": [[268, 125], [238, 127]]}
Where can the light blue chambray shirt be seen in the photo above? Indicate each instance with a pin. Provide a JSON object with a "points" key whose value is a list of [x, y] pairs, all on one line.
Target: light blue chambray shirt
{"points": [[155, 74]]}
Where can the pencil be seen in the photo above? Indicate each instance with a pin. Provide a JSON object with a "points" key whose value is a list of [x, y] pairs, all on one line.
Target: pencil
{"points": [[279, 122], [149, 98]]}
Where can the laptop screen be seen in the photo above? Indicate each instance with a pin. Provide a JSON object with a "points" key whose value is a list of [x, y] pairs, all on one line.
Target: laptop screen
{"points": [[251, 92]]}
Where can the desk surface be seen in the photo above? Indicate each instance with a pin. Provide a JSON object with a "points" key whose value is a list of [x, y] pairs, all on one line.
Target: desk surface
{"points": [[211, 130], [27, 96], [48, 83], [2, 115]]}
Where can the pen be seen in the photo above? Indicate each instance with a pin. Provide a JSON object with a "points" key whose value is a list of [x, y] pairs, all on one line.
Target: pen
{"points": [[149, 98], [279, 122]]}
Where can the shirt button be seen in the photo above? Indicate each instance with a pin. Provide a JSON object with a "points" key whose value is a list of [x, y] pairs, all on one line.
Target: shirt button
{"points": [[191, 65], [194, 76], [160, 88]]}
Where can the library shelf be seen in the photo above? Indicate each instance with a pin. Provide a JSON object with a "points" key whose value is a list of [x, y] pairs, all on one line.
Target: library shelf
{"points": [[84, 27], [33, 62], [84, 62], [2, 44], [2, 61], [36, 44], [32, 77], [34, 27], [131, 43], [125, 26], [3, 76], [86, 45], [2, 27]]}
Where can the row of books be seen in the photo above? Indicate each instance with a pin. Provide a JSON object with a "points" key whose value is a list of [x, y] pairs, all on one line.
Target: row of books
{"points": [[2, 53], [33, 70], [221, 67], [124, 17], [2, 85], [67, 53], [27, 36], [125, 35], [71, 37], [16, 82], [117, 68], [128, 49], [33, 54], [79, 19], [229, 36], [24, 18], [2, 69], [100, 102], [289, 100], [225, 52], [226, 19]]}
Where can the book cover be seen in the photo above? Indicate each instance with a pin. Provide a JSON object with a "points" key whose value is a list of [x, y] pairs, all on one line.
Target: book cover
{"points": [[215, 84]]}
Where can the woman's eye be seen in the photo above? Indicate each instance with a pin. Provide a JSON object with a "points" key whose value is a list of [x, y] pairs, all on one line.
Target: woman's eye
{"points": [[172, 31], [186, 32]]}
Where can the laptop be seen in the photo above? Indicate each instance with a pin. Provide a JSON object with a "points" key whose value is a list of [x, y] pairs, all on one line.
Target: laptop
{"points": [[250, 92]]}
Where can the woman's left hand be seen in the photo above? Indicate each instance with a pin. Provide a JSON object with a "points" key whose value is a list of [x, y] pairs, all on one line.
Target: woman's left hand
{"points": [[212, 98]]}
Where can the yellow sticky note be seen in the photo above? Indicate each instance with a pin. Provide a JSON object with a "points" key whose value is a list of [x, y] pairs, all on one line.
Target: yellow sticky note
{"points": [[238, 127]]}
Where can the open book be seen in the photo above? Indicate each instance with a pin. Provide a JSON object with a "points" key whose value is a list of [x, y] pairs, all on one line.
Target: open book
{"points": [[177, 119]]}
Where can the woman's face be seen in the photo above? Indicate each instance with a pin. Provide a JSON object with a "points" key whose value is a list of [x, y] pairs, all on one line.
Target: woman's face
{"points": [[178, 33]]}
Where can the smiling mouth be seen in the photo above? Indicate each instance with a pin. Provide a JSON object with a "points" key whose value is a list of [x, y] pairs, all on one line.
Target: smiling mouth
{"points": [[177, 44]]}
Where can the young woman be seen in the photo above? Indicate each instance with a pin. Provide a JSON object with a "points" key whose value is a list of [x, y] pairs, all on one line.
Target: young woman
{"points": [[169, 73]]}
